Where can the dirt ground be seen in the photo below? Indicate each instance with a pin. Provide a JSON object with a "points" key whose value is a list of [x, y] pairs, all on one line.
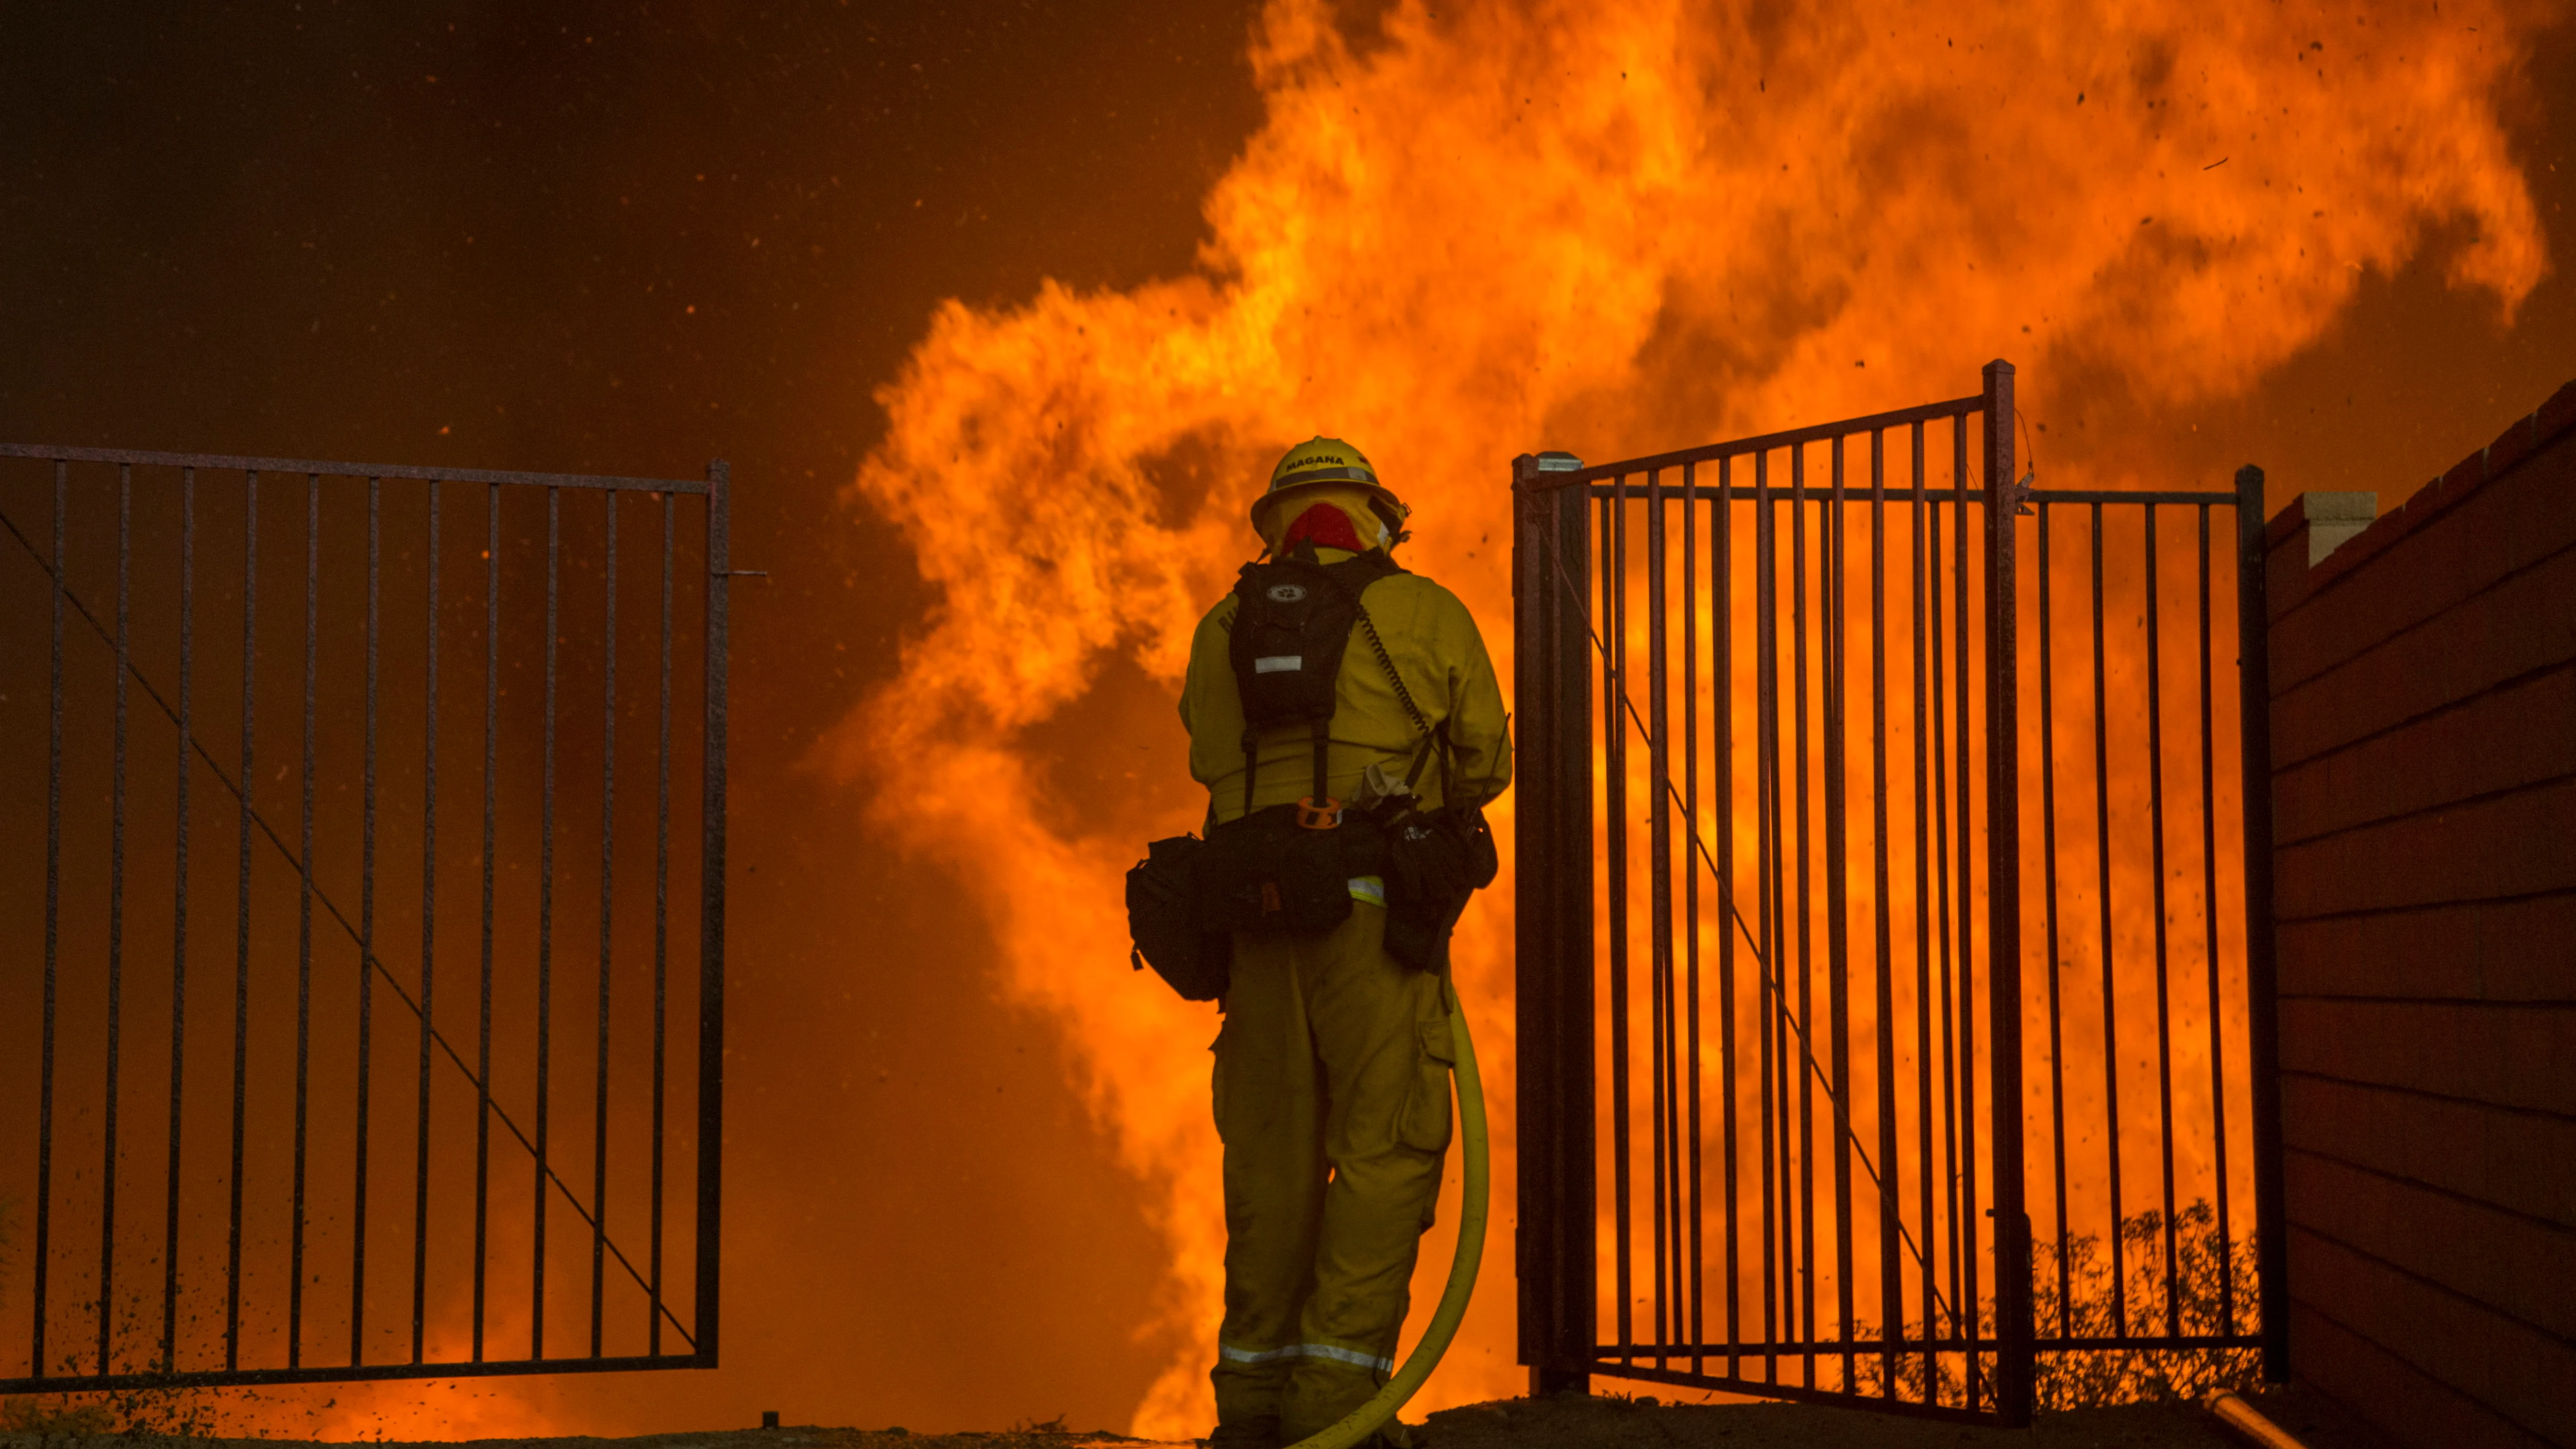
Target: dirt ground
{"points": [[1606, 1422], [1613, 1422]]}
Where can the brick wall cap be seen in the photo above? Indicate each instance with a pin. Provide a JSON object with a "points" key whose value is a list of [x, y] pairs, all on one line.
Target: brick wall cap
{"points": [[2512, 445], [2340, 507], [2464, 476], [2556, 416], [2305, 508]]}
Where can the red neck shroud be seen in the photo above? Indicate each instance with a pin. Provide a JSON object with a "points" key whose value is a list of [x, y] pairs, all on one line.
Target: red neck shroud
{"points": [[1324, 526]]}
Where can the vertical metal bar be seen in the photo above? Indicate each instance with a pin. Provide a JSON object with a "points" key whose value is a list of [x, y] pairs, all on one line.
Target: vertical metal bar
{"points": [[711, 920], [2048, 907], [1697, 1329], [607, 915], [179, 919], [53, 932], [1925, 1162], [1722, 606], [241, 914], [1668, 997], [661, 932], [483, 990], [545, 937], [1533, 585], [304, 923], [1891, 1265], [1784, 1053], [1962, 1309], [1766, 950], [1965, 743], [2156, 890], [366, 946], [2262, 1020], [1541, 1178], [1659, 887], [2110, 980], [1837, 906], [1614, 736], [2209, 948], [2011, 1237], [428, 944], [1793, 1065], [115, 910]]}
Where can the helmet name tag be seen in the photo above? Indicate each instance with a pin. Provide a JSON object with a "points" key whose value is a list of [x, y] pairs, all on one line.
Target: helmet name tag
{"points": [[1287, 593], [1279, 664]]}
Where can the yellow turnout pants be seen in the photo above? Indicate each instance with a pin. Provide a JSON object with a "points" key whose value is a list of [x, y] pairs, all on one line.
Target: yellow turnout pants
{"points": [[1332, 1097]]}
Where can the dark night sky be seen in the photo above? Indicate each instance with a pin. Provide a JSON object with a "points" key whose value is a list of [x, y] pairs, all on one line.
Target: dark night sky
{"points": [[629, 239]]}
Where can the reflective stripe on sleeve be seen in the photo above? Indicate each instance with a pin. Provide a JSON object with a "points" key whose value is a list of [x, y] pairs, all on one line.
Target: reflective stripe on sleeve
{"points": [[1369, 888]]}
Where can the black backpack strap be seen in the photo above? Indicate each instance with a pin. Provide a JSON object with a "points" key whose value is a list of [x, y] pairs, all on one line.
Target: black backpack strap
{"points": [[1323, 749], [1251, 759]]}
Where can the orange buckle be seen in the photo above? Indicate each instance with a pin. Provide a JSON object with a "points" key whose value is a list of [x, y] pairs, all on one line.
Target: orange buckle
{"points": [[1311, 816]]}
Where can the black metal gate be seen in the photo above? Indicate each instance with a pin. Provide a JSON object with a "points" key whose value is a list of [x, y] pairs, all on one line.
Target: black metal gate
{"points": [[1777, 717], [286, 1095]]}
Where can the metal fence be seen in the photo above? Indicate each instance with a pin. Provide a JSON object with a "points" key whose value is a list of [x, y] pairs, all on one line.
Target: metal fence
{"points": [[1779, 701], [350, 1006]]}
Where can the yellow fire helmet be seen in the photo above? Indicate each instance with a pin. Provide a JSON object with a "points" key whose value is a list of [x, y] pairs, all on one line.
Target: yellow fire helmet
{"points": [[1330, 460]]}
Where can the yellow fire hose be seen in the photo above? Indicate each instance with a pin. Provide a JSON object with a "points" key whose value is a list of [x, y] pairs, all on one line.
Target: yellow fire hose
{"points": [[1364, 1420], [2249, 1422]]}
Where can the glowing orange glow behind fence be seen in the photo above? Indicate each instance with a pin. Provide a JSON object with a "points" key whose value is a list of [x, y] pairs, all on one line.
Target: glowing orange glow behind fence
{"points": [[1751, 1021]]}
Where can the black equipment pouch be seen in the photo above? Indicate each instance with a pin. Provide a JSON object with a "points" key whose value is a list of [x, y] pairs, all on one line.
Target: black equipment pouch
{"points": [[1266, 873], [1435, 861], [1164, 920]]}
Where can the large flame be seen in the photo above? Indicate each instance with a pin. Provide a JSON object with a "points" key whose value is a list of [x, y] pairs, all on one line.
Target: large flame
{"points": [[1614, 226]]}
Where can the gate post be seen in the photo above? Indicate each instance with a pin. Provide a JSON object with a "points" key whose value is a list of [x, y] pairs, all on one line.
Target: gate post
{"points": [[711, 922], [2262, 983], [1552, 914], [2011, 1237]]}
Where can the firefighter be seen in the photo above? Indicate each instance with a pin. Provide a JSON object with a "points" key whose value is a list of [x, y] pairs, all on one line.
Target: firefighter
{"points": [[1331, 1074]]}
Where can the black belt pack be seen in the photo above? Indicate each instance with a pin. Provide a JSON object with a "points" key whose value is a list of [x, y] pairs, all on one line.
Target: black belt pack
{"points": [[1435, 861], [1261, 874], [1266, 873], [1166, 922]]}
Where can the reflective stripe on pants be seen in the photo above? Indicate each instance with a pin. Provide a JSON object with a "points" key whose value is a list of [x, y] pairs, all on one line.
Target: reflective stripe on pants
{"points": [[1305, 1350]]}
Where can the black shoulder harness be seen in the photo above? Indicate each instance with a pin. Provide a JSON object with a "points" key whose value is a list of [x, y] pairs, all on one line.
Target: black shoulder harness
{"points": [[1292, 625]]}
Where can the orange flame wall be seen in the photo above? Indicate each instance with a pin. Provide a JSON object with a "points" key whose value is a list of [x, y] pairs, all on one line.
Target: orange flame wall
{"points": [[1613, 227]]}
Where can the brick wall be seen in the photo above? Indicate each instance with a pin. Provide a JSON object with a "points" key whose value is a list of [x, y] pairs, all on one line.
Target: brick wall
{"points": [[2424, 790]]}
